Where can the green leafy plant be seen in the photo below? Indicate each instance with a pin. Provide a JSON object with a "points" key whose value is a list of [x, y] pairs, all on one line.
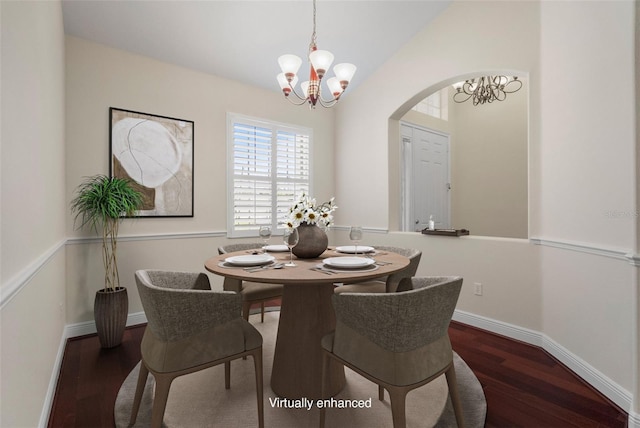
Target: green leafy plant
{"points": [[101, 202]]}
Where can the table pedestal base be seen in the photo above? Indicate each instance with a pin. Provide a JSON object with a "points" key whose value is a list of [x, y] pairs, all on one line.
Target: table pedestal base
{"points": [[306, 316]]}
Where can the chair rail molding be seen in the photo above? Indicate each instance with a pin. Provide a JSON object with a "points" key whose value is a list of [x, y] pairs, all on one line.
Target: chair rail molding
{"points": [[364, 229], [22, 278], [15, 284], [615, 253], [150, 237], [633, 258]]}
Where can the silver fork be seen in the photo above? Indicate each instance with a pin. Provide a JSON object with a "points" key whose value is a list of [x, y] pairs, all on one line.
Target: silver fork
{"points": [[323, 270], [256, 268]]}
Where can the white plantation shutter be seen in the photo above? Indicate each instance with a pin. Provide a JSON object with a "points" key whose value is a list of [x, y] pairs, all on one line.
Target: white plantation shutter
{"points": [[269, 166], [292, 169]]}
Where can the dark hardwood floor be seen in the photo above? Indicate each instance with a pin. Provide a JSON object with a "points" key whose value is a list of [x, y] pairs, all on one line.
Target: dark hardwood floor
{"points": [[524, 386], [527, 387]]}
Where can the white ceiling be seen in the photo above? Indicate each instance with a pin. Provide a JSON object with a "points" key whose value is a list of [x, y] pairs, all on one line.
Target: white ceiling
{"points": [[241, 39]]}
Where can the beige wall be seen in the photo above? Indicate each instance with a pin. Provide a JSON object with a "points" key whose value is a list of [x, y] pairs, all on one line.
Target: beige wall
{"points": [[511, 295], [587, 183], [32, 132], [425, 64], [99, 77], [588, 175], [32, 231], [580, 167]]}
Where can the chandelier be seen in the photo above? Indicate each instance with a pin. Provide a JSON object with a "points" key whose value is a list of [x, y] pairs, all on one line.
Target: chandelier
{"points": [[320, 61], [486, 89]]}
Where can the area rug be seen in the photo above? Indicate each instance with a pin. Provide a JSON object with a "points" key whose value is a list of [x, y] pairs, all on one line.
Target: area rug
{"points": [[200, 399]]}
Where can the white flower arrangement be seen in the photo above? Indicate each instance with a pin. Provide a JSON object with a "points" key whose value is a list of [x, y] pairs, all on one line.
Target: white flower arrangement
{"points": [[306, 210]]}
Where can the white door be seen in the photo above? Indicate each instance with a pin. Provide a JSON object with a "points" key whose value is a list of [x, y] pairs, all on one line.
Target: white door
{"points": [[428, 179]]}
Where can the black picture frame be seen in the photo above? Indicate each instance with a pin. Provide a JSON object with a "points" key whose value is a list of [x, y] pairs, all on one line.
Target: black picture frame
{"points": [[156, 153]]}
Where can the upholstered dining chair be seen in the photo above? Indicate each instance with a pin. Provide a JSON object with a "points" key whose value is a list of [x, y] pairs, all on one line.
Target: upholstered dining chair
{"points": [[251, 292], [190, 328], [397, 340], [390, 283]]}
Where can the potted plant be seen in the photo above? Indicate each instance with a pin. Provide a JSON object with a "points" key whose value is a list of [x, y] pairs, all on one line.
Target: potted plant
{"points": [[101, 202]]}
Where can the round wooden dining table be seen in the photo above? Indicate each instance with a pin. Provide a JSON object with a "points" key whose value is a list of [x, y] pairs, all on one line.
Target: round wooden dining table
{"points": [[306, 315]]}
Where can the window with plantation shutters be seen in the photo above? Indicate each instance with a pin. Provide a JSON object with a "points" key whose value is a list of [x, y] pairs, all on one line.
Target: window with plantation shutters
{"points": [[269, 166]]}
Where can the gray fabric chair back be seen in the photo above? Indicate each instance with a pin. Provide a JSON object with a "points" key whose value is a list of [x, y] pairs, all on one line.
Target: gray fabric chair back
{"points": [[399, 340], [224, 249], [402, 321], [176, 280], [414, 255], [169, 297]]}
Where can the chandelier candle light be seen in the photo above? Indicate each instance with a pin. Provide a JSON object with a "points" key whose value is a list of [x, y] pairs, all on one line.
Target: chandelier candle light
{"points": [[320, 61], [486, 89]]}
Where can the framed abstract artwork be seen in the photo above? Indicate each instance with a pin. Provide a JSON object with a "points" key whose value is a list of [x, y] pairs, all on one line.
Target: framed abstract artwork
{"points": [[156, 153]]}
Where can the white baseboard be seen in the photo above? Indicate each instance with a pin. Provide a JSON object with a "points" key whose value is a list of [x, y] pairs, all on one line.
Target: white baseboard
{"points": [[89, 327], [505, 329], [599, 381], [70, 331], [53, 383]]}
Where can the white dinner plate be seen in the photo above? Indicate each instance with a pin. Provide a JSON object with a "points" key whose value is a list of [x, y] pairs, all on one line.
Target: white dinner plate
{"points": [[351, 249], [348, 262], [250, 260], [276, 248]]}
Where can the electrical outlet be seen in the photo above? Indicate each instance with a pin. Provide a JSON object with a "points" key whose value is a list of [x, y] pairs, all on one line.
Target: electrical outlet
{"points": [[477, 288]]}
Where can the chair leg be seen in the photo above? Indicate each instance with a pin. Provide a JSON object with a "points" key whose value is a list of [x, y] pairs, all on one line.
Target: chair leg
{"points": [[163, 383], [323, 390], [450, 374], [397, 397], [246, 308], [227, 375], [380, 393], [261, 311], [257, 363], [142, 381]]}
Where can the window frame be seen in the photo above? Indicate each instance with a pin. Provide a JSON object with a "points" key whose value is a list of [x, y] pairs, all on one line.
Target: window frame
{"points": [[275, 128]]}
